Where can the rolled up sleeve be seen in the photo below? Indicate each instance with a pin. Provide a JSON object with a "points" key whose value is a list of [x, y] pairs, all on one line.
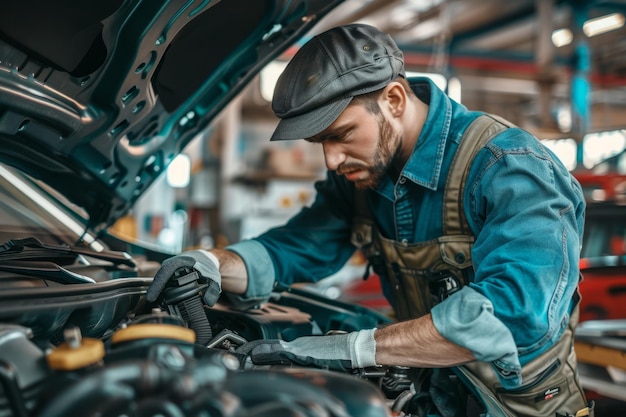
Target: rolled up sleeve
{"points": [[467, 319], [260, 271]]}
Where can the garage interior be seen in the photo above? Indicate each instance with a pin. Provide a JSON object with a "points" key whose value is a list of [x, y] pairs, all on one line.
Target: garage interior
{"points": [[528, 59], [97, 102], [556, 68]]}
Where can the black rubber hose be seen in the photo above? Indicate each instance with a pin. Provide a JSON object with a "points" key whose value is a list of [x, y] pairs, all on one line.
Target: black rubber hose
{"points": [[114, 387], [193, 313], [142, 386]]}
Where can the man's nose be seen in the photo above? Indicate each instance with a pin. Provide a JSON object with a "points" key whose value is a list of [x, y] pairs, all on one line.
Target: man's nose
{"points": [[333, 155]]}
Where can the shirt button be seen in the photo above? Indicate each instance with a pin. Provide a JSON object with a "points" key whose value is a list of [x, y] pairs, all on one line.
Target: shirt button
{"points": [[402, 180]]}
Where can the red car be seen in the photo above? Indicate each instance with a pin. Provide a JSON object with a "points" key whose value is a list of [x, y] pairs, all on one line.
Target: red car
{"points": [[601, 188]]}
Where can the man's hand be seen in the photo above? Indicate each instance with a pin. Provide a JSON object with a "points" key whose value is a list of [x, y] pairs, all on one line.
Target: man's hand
{"points": [[203, 262], [338, 352]]}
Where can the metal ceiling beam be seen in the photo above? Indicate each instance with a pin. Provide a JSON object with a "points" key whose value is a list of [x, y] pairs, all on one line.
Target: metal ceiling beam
{"points": [[544, 58], [370, 10], [525, 11]]}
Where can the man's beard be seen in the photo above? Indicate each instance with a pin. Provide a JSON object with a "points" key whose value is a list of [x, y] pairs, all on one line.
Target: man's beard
{"points": [[386, 150]]}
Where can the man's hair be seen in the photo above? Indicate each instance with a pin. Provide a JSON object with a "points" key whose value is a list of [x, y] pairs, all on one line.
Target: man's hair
{"points": [[370, 100]]}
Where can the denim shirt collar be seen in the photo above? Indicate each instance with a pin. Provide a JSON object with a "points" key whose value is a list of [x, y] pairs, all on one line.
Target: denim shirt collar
{"points": [[424, 165]]}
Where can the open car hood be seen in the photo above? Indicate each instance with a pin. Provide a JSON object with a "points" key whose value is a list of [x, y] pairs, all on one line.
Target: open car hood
{"points": [[97, 100]]}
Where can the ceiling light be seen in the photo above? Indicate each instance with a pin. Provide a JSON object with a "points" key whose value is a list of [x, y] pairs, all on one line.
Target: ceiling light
{"points": [[179, 171], [603, 24], [269, 76], [562, 37]]}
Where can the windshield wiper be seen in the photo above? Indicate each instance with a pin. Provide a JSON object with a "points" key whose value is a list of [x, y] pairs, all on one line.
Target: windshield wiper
{"points": [[33, 249], [43, 260], [47, 270]]}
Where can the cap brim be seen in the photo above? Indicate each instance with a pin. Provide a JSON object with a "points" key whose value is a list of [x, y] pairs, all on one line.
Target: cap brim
{"points": [[309, 124]]}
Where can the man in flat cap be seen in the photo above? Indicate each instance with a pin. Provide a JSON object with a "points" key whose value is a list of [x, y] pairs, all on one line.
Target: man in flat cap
{"points": [[473, 226]]}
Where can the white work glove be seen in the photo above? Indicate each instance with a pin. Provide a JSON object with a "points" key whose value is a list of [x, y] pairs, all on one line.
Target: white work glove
{"points": [[339, 352], [203, 262]]}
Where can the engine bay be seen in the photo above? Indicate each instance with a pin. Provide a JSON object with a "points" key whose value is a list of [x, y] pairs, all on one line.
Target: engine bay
{"points": [[100, 349]]}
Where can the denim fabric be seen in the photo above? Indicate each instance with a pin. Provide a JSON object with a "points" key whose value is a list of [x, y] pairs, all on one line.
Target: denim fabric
{"points": [[523, 206], [260, 268], [467, 318]]}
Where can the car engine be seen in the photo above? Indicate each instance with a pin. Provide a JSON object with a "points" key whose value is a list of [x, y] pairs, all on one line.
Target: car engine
{"points": [[100, 349]]}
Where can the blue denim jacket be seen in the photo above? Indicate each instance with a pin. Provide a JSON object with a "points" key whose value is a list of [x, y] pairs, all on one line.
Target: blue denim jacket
{"points": [[523, 206]]}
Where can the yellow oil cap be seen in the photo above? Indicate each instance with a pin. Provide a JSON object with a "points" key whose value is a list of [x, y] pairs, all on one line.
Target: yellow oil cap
{"points": [[67, 358], [153, 330]]}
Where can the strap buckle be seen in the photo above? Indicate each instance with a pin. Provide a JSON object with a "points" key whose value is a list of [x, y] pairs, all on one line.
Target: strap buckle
{"points": [[445, 286]]}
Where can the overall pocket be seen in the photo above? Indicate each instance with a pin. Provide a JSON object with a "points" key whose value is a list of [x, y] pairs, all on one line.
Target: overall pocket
{"points": [[543, 394], [550, 385]]}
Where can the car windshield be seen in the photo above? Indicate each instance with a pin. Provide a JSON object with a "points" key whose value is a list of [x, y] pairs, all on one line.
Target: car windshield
{"points": [[30, 209]]}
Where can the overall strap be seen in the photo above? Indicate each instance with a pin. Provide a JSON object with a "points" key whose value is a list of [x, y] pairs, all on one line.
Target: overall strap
{"points": [[476, 136]]}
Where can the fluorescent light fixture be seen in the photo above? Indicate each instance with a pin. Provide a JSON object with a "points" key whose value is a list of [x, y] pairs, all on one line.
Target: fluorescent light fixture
{"points": [[592, 27], [179, 171], [562, 37], [564, 149], [268, 78], [603, 24], [599, 146]]}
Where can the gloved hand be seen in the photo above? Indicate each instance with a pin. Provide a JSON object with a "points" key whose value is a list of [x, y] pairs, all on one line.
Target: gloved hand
{"points": [[205, 263], [339, 352]]}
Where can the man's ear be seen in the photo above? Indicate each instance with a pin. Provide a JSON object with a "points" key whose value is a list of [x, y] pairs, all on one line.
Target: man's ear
{"points": [[395, 98]]}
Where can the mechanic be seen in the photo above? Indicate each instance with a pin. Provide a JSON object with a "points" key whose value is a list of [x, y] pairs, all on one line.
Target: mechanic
{"points": [[479, 261]]}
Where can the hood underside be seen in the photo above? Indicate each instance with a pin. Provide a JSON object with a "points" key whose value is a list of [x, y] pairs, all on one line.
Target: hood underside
{"points": [[97, 98]]}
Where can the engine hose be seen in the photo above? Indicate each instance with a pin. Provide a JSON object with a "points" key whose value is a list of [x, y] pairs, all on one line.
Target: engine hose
{"points": [[113, 390], [108, 390], [193, 313], [401, 400], [109, 387], [158, 407]]}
